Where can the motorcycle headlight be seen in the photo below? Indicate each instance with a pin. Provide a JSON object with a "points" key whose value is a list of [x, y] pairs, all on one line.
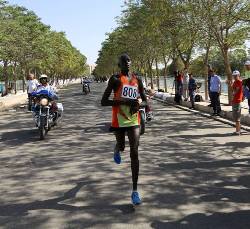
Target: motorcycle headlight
{"points": [[44, 102]]}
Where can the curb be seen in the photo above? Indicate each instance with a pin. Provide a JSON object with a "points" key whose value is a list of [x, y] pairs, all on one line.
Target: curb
{"points": [[14, 101], [222, 118]]}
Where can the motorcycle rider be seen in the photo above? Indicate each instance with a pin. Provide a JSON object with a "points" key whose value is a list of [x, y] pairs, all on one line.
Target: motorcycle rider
{"points": [[44, 85], [86, 81], [125, 115]]}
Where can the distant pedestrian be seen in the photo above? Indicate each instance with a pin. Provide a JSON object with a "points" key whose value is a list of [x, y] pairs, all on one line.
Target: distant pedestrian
{"points": [[208, 82], [191, 89], [215, 92], [185, 84], [178, 86], [237, 99], [246, 83], [247, 70], [31, 87]]}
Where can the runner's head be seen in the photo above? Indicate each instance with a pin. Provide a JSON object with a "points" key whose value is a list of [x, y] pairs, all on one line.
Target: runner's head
{"points": [[124, 63], [247, 65]]}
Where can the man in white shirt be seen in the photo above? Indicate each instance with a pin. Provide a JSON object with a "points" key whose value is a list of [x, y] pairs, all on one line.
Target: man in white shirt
{"points": [[31, 87]]}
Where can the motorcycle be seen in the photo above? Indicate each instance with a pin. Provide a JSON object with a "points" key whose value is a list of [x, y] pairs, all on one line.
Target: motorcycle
{"points": [[45, 112], [85, 88], [144, 117]]}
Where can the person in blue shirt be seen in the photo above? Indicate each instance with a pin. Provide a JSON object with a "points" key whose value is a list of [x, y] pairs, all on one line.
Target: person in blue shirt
{"points": [[215, 92], [191, 89]]}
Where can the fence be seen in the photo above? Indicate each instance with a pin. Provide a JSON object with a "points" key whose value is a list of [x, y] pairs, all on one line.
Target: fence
{"points": [[11, 86]]}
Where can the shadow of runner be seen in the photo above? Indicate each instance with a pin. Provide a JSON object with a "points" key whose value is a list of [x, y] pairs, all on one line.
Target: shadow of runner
{"points": [[23, 209]]}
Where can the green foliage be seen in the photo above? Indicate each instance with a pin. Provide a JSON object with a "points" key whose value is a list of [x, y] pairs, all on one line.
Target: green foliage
{"points": [[166, 30], [32, 46]]}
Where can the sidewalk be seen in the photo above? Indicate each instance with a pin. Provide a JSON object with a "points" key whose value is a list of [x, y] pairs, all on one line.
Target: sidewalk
{"points": [[10, 101], [204, 106]]}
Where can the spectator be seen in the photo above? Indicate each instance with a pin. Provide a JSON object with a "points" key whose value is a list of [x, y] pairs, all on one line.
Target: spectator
{"points": [[178, 87], [32, 86], [237, 99], [215, 92], [246, 83], [191, 89], [209, 79], [185, 84]]}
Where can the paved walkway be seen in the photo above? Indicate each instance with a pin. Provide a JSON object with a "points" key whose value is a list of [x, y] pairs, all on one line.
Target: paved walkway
{"points": [[193, 174]]}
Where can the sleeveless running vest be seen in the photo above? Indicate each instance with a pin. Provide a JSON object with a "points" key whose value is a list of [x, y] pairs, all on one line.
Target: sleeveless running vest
{"points": [[121, 116]]}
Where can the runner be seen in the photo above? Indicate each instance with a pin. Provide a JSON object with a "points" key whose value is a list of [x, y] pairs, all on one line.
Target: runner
{"points": [[125, 115]]}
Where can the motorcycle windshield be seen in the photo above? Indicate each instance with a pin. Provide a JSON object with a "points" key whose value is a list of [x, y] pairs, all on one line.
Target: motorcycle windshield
{"points": [[42, 92]]}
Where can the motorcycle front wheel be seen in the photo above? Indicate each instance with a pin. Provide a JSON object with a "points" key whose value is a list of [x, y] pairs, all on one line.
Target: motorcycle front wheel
{"points": [[42, 130], [142, 124]]}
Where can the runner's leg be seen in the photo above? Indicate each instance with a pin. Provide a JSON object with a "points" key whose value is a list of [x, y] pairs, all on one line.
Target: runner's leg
{"points": [[134, 137], [120, 140]]}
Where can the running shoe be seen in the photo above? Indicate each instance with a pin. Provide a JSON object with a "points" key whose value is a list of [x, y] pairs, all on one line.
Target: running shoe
{"points": [[117, 157], [135, 198]]}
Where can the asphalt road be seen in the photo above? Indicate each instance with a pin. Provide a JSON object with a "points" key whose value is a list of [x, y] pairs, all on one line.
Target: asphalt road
{"points": [[193, 174]]}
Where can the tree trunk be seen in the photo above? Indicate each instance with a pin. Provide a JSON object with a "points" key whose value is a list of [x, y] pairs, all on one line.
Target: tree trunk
{"points": [[150, 73], [157, 72], [24, 78], [5, 77], [165, 73], [229, 74], [206, 72], [146, 79], [14, 74]]}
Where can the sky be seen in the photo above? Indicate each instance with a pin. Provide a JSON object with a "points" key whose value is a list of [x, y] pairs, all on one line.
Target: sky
{"points": [[85, 22]]}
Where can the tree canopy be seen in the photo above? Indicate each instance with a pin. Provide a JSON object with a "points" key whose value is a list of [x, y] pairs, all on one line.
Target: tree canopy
{"points": [[153, 32], [27, 45]]}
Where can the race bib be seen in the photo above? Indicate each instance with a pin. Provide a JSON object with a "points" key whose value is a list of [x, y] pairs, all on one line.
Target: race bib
{"points": [[129, 92]]}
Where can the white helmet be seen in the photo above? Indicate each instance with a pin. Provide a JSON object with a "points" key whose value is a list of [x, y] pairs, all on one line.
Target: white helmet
{"points": [[247, 62], [43, 76]]}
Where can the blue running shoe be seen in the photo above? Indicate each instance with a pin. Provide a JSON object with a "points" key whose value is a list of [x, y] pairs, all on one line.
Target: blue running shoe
{"points": [[135, 198], [117, 157]]}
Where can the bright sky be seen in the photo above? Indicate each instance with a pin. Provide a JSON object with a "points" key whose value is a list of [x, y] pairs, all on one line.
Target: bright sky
{"points": [[84, 21]]}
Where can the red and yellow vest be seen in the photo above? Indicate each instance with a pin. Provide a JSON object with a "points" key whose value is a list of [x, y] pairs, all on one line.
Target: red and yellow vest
{"points": [[121, 116]]}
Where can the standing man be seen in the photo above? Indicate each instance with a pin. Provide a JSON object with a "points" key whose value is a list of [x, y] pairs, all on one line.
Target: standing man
{"points": [[31, 87], [208, 82], [246, 83], [185, 84], [125, 115], [247, 70], [215, 92], [237, 99]]}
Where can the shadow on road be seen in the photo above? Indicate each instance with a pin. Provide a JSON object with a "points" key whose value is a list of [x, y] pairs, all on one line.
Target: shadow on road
{"points": [[193, 173], [232, 220]]}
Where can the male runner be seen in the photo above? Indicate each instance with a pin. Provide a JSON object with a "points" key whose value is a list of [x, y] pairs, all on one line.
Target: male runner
{"points": [[125, 115]]}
